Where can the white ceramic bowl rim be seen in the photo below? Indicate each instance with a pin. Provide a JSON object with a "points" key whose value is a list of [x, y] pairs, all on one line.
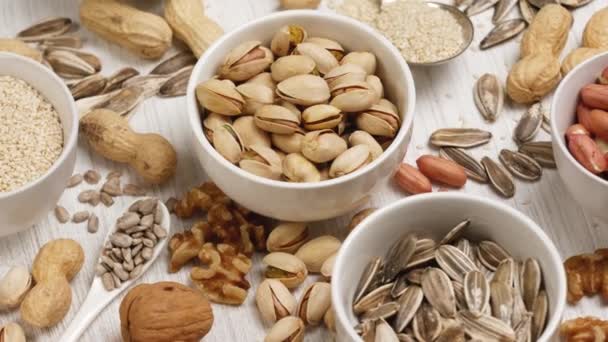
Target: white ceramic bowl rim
{"points": [[552, 324], [561, 140], [73, 138], [406, 124]]}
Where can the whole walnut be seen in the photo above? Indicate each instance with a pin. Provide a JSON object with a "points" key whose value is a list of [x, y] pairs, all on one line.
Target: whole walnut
{"points": [[164, 312]]}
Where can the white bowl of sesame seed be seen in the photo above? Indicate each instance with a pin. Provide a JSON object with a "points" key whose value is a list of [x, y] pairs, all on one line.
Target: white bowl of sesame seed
{"points": [[38, 139]]}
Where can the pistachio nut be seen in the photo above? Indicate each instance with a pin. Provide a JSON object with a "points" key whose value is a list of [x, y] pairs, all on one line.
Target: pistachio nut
{"points": [[364, 59], [286, 39], [328, 266], [228, 143], [287, 237], [250, 133], [291, 143], [359, 217], [245, 61], [14, 286], [363, 138], [298, 169], [220, 97], [274, 301], [343, 73], [265, 79], [287, 329], [350, 161], [286, 268], [262, 161], [315, 302], [212, 122], [322, 146], [353, 96], [277, 119], [330, 45], [330, 319], [376, 84], [324, 60], [255, 96], [379, 120], [288, 66], [12, 332], [293, 108], [321, 116], [306, 90], [314, 252]]}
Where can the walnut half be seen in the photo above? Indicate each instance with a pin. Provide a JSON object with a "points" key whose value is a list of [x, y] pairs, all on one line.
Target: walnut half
{"points": [[587, 275], [584, 329]]}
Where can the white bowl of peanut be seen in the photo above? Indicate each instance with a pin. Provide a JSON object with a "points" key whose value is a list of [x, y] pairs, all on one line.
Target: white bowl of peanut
{"points": [[292, 182], [38, 143]]}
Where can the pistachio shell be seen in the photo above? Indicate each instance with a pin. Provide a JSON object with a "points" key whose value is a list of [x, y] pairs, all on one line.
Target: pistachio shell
{"points": [[298, 169], [262, 161], [288, 66], [286, 268], [293, 108], [306, 90], [328, 266], [364, 138], [330, 45], [287, 237], [265, 79], [345, 73], [277, 119], [286, 39], [364, 59], [314, 252], [353, 96], [376, 84], [315, 302], [212, 122], [245, 61], [14, 286], [250, 133], [255, 96], [288, 143], [228, 143], [274, 301], [379, 120], [322, 146], [324, 60], [220, 97], [12, 332], [288, 329], [321, 117], [350, 161]]}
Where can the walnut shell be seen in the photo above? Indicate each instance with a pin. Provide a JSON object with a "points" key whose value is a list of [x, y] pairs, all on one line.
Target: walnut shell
{"points": [[164, 312], [547, 32], [596, 31], [533, 77]]}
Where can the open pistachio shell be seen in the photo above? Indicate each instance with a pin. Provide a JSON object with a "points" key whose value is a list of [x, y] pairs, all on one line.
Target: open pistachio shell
{"points": [[14, 286], [286, 268], [286, 39], [293, 108], [364, 59], [250, 133], [324, 59], [277, 119], [220, 97], [212, 122], [321, 117], [350, 161], [274, 301], [265, 79], [364, 138], [330, 45], [322, 146], [376, 84], [228, 143], [298, 169], [245, 61], [353, 96], [255, 96], [345, 73], [287, 237], [289, 143], [288, 66], [262, 161], [316, 300], [379, 120], [288, 329], [306, 90], [12, 332]]}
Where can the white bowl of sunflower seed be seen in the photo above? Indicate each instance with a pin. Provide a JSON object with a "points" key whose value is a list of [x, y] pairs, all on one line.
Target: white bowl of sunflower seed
{"points": [[448, 267]]}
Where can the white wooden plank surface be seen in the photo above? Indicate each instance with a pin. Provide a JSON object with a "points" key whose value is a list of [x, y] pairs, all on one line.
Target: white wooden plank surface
{"points": [[444, 100]]}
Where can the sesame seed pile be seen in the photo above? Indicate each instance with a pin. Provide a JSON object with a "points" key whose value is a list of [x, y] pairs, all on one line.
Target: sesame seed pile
{"points": [[31, 135], [423, 34]]}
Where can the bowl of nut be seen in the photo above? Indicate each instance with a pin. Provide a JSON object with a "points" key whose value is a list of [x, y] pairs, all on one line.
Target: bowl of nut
{"points": [[448, 267], [579, 126], [299, 114], [38, 139]]}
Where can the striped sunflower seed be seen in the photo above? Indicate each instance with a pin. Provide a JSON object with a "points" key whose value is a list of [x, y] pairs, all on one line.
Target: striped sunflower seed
{"points": [[479, 6], [409, 302], [399, 286], [149, 83], [46, 28], [461, 301], [476, 292], [383, 311], [88, 86], [520, 165], [491, 254], [529, 123], [427, 323], [424, 253], [527, 11], [116, 80], [88, 57], [415, 276], [454, 262], [501, 299], [373, 299], [531, 279], [519, 307], [452, 334], [68, 65], [485, 327], [438, 291], [523, 330], [489, 96], [505, 272], [398, 256], [124, 101], [503, 7], [541, 151], [503, 31], [460, 137], [466, 247], [174, 63], [500, 179], [61, 41], [177, 84], [472, 167], [455, 232], [546, 125], [384, 332], [539, 314]]}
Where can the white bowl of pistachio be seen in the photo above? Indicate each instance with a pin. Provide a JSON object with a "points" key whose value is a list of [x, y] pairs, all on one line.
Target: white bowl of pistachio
{"points": [[299, 114], [445, 266]]}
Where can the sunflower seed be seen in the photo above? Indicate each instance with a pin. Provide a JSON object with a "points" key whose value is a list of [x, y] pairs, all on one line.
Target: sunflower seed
{"points": [[133, 190], [177, 84], [527, 11], [541, 3], [460, 137], [74, 180], [93, 224], [80, 216], [461, 302], [503, 31], [438, 291], [523, 330], [116, 80], [174, 63], [452, 334], [124, 101], [454, 262], [367, 330], [489, 96], [398, 256], [88, 86], [427, 323], [406, 338], [472, 167], [500, 179], [520, 165], [485, 327], [502, 9], [86, 104], [466, 247], [50, 27], [539, 314], [505, 272], [529, 123], [491, 254], [384, 332], [62, 214], [541, 151], [415, 276], [425, 252], [519, 308], [88, 57], [399, 286], [149, 83], [409, 302], [69, 65], [373, 298], [501, 298], [476, 292], [455, 232], [61, 41], [574, 3], [479, 6], [531, 279], [112, 187], [384, 311]]}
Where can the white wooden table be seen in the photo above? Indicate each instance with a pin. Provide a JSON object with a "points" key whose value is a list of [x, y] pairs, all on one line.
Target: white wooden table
{"points": [[444, 100]]}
